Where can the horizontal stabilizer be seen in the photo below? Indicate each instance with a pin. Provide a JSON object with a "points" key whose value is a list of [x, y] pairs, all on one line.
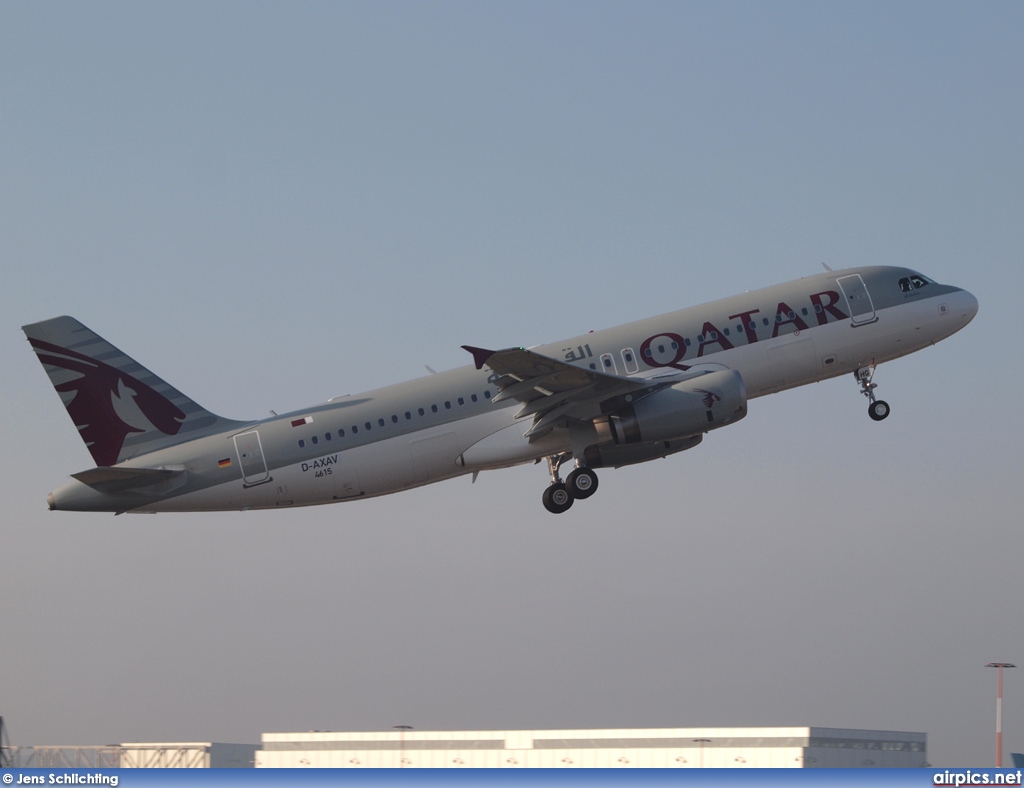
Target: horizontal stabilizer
{"points": [[109, 480]]}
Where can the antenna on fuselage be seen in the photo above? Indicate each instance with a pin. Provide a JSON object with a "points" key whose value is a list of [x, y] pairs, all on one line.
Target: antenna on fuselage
{"points": [[825, 266]]}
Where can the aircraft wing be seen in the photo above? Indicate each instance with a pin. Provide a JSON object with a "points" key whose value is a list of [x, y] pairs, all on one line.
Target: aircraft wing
{"points": [[551, 390]]}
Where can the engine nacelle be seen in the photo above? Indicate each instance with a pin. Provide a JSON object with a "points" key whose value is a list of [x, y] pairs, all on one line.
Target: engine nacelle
{"points": [[692, 407], [608, 455]]}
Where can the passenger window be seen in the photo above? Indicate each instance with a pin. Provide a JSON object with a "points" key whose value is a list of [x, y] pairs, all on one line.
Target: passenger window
{"points": [[394, 419], [447, 405], [341, 433], [421, 412], [473, 397], [487, 394], [433, 408], [462, 401], [408, 416], [315, 440], [380, 422], [355, 429], [302, 443], [327, 436], [368, 426]]}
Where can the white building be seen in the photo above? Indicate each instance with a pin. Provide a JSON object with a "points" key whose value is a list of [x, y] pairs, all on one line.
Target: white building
{"points": [[806, 747]]}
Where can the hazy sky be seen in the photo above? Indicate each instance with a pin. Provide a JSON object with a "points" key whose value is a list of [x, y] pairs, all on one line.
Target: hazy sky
{"points": [[271, 204]]}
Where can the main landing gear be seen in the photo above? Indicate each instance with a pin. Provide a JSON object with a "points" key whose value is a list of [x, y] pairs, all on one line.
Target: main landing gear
{"points": [[580, 483], [877, 409]]}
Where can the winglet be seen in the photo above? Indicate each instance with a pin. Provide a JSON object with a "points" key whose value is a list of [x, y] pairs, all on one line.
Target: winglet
{"points": [[480, 355]]}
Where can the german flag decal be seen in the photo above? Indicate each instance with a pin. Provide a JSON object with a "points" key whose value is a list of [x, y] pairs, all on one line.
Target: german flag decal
{"points": [[226, 462]]}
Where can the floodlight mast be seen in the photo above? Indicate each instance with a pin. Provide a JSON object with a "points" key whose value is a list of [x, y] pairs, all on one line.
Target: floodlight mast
{"points": [[999, 709], [5, 747], [401, 746]]}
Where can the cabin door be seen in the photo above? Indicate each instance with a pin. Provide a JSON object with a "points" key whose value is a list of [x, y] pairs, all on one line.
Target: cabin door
{"points": [[250, 457], [862, 310]]}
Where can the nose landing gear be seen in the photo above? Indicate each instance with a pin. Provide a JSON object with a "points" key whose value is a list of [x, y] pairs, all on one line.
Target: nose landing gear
{"points": [[877, 409], [580, 483]]}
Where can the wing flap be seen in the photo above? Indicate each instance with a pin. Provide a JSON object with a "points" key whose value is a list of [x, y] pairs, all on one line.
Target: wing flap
{"points": [[526, 365], [551, 390]]}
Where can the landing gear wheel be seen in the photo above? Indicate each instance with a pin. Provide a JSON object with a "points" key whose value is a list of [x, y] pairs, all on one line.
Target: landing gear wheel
{"points": [[557, 499], [877, 409], [581, 483]]}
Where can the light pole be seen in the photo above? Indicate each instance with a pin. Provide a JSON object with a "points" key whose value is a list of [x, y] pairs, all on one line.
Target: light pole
{"points": [[702, 743], [999, 709], [401, 746]]}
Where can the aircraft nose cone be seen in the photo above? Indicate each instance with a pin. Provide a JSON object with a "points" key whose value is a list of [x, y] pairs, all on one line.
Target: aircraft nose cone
{"points": [[968, 306]]}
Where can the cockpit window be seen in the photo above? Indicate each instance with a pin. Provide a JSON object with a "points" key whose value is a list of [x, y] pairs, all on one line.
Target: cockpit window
{"points": [[910, 283]]}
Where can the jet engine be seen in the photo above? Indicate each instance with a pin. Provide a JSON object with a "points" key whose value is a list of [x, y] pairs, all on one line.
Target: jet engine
{"points": [[690, 408], [608, 455]]}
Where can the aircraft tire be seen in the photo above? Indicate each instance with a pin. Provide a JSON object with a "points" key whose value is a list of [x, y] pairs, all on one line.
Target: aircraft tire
{"points": [[878, 410], [557, 498], [581, 483]]}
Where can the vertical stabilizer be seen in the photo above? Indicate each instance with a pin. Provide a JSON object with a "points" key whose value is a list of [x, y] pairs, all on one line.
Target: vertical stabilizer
{"points": [[120, 408]]}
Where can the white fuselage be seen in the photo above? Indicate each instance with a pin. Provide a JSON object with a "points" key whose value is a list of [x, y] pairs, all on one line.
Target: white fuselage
{"points": [[445, 425]]}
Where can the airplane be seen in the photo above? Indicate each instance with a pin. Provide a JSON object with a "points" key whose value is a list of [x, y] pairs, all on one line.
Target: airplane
{"points": [[608, 398]]}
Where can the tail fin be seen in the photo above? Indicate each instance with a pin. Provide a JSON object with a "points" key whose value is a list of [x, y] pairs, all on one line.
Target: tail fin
{"points": [[121, 409]]}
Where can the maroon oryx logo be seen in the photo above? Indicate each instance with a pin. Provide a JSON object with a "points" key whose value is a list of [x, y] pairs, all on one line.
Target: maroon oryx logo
{"points": [[710, 397], [107, 404]]}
